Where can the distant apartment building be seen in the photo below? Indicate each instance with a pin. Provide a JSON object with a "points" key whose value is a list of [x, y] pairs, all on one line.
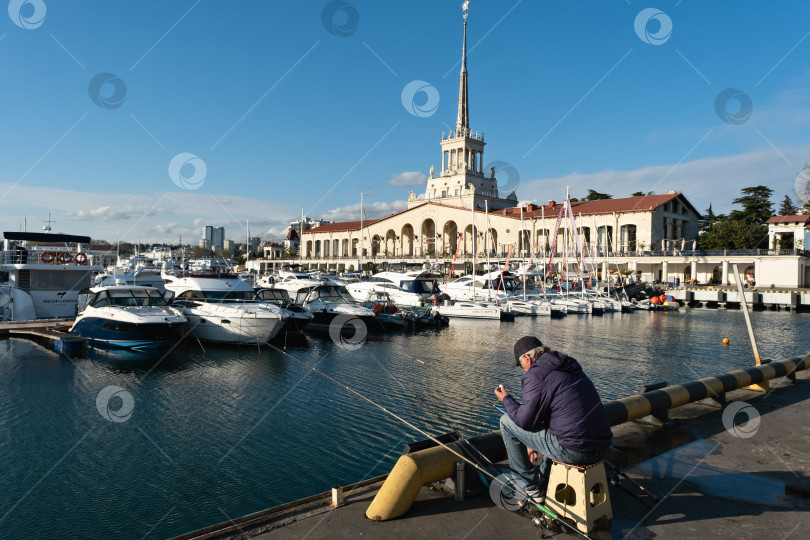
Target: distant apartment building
{"points": [[214, 236], [227, 245]]}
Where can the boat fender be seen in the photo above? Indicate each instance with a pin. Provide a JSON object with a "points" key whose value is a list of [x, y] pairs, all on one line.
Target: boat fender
{"points": [[80, 258], [46, 257], [63, 257]]}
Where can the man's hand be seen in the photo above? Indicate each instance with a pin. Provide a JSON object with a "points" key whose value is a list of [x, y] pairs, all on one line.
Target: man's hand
{"points": [[533, 455], [500, 392]]}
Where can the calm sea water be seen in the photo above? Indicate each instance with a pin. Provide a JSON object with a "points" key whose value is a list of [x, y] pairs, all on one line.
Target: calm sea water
{"points": [[218, 434]]}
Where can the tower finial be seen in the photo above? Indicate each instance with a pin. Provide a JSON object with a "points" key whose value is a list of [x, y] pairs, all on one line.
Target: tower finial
{"points": [[463, 121]]}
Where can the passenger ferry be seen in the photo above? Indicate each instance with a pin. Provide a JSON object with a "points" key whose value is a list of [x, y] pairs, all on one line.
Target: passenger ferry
{"points": [[41, 275]]}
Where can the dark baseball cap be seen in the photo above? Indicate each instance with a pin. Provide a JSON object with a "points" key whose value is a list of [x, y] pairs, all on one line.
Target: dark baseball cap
{"points": [[524, 345]]}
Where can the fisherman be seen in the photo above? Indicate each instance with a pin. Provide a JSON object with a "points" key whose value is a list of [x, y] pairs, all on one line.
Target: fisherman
{"points": [[561, 416]]}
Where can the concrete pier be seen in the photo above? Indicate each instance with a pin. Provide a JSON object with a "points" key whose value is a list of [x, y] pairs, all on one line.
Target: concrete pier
{"points": [[53, 331], [790, 299], [715, 479]]}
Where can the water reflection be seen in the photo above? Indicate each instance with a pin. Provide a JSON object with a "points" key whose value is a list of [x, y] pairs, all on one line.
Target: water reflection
{"points": [[240, 429]]}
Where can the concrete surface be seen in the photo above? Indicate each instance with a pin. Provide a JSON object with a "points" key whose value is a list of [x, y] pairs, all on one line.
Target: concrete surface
{"points": [[712, 483]]}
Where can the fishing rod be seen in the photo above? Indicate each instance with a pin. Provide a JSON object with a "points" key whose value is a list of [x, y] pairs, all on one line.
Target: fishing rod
{"points": [[550, 513]]}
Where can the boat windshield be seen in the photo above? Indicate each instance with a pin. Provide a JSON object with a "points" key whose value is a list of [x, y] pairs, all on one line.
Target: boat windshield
{"points": [[128, 298], [418, 286], [219, 296], [331, 295]]}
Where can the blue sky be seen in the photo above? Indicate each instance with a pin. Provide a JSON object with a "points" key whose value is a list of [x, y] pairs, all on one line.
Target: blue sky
{"points": [[285, 112]]}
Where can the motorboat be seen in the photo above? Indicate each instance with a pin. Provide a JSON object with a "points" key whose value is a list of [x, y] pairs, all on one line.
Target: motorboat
{"points": [[298, 317], [222, 308], [328, 303], [135, 271], [472, 310], [127, 317], [486, 287], [529, 307], [292, 281], [41, 275], [404, 288]]}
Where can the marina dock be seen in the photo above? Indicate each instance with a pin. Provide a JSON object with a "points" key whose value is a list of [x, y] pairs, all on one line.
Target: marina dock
{"points": [[54, 331], [711, 482], [756, 297]]}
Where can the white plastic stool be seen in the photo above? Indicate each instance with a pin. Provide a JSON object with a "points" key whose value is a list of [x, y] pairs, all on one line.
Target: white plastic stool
{"points": [[579, 492]]}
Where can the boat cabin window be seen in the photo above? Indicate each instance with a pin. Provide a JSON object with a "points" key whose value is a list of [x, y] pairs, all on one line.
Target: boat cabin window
{"points": [[133, 297], [418, 286], [229, 296]]}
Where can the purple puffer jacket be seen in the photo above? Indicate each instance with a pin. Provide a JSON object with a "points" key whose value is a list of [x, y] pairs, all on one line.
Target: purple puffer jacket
{"points": [[559, 396]]}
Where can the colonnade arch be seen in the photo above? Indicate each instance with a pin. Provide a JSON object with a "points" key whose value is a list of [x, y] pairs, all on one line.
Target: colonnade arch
{"points": [[407, 236]]}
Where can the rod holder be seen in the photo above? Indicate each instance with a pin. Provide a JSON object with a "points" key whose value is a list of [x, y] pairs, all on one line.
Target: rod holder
{"points": [[459, 480]]}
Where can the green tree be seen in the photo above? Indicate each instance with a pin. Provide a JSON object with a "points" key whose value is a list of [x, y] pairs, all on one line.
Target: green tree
{"points": [[641, 194], [596, 196], [706, 221], [290, 253], [756, 205], [198, 251], [788, 208], [734, 234]]}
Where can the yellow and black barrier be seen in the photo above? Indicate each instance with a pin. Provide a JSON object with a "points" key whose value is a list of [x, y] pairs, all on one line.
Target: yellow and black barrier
{"points": [[638, 406], [416, 469]]}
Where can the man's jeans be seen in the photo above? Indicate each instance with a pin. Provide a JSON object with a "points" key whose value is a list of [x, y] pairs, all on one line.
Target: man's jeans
{"points": [[517, 440]]}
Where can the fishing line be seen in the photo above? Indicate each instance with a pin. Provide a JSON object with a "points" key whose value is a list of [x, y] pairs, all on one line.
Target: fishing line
{"points": [[518, 489]]}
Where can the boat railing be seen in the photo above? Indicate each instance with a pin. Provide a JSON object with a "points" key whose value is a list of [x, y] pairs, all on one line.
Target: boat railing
{"points": [[47, 256]]}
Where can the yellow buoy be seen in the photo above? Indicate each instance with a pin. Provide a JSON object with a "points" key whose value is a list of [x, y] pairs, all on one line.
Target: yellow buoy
{"points": [[725, 341]]}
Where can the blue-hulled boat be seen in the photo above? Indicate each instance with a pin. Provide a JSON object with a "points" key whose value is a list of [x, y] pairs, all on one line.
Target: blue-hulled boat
{"points": [[127, 317]]}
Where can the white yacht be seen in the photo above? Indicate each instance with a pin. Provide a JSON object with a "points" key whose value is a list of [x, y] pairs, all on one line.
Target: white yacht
{"points": [[41, 275], [327, 302], [529, 307], [222, 308], [292, 281], [127, 317], [298, 317], [471, 310], [135, 271], [404, 288]]}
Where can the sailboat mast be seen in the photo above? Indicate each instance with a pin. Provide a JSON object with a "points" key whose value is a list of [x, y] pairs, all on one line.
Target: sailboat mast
{"points": [[360, 255], [472, 243], [522, 257], [486, 245], [545, 243]]}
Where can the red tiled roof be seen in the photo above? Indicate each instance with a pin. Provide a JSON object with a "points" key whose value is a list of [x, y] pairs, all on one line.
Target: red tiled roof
{"points": [[643, 203], [788, 219], [341, 226]]}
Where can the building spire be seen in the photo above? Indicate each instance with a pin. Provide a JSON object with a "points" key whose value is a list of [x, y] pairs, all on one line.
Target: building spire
{"points": [[463, 121]]}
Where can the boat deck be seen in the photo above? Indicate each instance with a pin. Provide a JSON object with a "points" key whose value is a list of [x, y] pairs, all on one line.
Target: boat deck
{"points": [[712, 484]]}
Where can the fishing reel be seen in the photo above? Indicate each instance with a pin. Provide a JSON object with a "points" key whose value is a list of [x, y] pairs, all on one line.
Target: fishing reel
{"points": [[546, 524]]}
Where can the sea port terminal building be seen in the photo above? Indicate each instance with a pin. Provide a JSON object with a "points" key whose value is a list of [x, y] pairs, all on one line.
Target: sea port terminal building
{"points": [[463, 214]]}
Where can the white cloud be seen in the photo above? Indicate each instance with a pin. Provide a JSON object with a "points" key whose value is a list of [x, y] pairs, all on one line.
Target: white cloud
{"points": [[407, 179], [161, 217], [714, 180], [372, 210]]}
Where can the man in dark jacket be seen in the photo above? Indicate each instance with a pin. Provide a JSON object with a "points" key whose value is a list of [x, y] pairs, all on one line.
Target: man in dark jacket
{"points": [[561, 416]]}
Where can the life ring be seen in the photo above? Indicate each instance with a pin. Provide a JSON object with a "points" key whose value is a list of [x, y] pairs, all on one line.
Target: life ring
{"points": [[80, 258], [46, 257], [63, 257]]}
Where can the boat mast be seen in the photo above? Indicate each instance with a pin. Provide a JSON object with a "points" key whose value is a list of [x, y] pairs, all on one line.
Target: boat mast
{"points": [[472, 242], [607, 253], [522, 258], [301, 239], [545, 243], [360, 254], [486, 235]]}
